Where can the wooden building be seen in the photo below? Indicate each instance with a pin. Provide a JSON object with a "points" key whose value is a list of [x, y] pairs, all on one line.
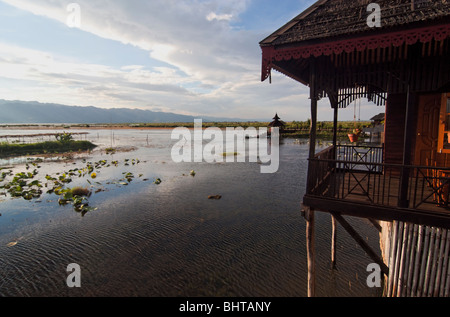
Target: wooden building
{"points": [[277, 123], [395, 53]]}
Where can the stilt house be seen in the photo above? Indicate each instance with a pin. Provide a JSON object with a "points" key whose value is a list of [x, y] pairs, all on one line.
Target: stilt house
{"points": [[395, 53]]}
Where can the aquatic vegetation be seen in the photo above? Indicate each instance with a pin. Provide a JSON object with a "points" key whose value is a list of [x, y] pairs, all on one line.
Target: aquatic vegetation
{"points": [[80, 191], [64, 137], [24, 185], [110, 150], [17, 149]]}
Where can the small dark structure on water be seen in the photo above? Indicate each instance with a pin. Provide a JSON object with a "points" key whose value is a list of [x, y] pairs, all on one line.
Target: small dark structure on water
{"points": [[403, 185], [277, 123]]}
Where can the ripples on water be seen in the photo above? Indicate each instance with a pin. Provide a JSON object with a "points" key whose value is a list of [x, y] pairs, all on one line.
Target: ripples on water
{"points": [[170, 239]]}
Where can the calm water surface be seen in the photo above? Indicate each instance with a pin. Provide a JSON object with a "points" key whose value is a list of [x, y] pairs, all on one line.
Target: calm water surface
{"points": [[169, 239]]}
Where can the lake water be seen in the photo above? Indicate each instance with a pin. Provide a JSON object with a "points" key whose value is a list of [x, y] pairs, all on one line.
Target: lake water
{"points": [[169, 239]]}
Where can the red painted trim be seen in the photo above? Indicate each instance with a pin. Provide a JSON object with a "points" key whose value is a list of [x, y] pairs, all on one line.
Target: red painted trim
{"points": [[410, 37]]}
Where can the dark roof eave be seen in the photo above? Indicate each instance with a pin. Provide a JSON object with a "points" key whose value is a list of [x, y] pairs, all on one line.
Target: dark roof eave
{"points": [[282, 37], [269, 40]]}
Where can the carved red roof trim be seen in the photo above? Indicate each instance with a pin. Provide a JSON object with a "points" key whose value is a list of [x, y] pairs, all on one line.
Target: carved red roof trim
{"points": [[410, 37]]}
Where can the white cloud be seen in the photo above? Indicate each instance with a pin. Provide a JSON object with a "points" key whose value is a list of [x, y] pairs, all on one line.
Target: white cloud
{"points": [[213, 68]]}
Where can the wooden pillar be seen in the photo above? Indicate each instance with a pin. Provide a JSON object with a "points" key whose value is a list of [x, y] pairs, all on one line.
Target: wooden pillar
{"points": [[372, 254], [309, 213], [333, 241], [409, 136], [313, 97], [335, 125], [311, 251], [410, 129]]}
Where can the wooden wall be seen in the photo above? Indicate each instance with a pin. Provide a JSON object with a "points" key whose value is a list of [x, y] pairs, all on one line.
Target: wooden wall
{"points": [[394, 129]]}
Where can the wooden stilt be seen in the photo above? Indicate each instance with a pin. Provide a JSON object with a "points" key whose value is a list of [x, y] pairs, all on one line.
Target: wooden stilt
{"points": [[397, 258], [373, 255], [393, 251], [310, 250], [429, 263], [440, 264], [411, 265], [402, 264], [333, 242], [417, 261], [309, 213], [423, 262], [445, 264]]}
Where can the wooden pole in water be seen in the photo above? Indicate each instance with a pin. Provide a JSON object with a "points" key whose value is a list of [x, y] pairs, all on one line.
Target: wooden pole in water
{"points": [[333, 242], [440, 264], [373, 255], [423, 262], [445, 264], [397, 258], [310, 250], [309, 214], [402, 260], [393, 251], [417, 261], [447, 282], [411, 264], [429, 263], [434, 261]]}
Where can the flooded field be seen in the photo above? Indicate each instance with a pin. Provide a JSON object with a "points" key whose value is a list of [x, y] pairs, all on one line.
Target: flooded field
{"points": [[149, 229]]}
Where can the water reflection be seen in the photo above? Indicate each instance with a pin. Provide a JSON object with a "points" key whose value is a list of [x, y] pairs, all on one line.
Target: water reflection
{"points": [[169, 239]]}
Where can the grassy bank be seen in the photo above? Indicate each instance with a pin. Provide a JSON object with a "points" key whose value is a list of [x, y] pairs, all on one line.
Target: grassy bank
{"points": [[296, 125], [48, 147]]}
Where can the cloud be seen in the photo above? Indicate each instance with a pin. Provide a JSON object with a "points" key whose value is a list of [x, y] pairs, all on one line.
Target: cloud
{"points": [[213, 67]]}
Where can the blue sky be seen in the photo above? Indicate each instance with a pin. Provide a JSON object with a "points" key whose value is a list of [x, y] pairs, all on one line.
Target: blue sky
{"points": [[196, 57]]}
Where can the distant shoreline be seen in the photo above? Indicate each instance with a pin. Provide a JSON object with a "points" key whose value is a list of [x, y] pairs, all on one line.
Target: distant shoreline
{"points": [[92, 127], [293, 129]]}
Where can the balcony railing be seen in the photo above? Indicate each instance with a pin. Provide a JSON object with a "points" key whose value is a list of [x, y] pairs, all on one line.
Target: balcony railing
{"points": [[350, 173]]}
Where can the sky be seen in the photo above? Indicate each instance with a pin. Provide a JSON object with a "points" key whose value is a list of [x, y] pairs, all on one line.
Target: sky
{"points": [[193, 57]]}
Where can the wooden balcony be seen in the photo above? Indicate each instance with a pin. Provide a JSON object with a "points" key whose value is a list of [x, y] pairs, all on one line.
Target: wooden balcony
{"points": [[354, 181]]}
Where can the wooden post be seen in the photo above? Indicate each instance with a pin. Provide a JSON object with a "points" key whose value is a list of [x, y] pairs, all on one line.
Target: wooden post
{"points": [[333, 242], [310, 250], [313, 97], [373, 255], [417, 261], [393, 252], [335, 125], [409, 136], [309, 214], [445, 264]]}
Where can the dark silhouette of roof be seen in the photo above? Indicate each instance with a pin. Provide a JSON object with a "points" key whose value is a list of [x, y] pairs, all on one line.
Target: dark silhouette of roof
{"points": [[335, 18], [277, 122]]}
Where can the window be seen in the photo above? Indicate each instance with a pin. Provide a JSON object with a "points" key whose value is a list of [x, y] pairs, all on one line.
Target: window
{"points": [[444, 126]]}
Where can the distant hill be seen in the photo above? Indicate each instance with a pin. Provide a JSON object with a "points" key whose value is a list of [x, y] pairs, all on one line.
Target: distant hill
{"points": [[28, 112]]}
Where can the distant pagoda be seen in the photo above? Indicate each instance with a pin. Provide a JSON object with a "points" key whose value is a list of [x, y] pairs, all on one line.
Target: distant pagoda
{"points": [[277, 123]]}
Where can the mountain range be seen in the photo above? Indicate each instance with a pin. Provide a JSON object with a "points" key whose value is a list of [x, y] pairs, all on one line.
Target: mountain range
{"points": [[31, 112]]}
